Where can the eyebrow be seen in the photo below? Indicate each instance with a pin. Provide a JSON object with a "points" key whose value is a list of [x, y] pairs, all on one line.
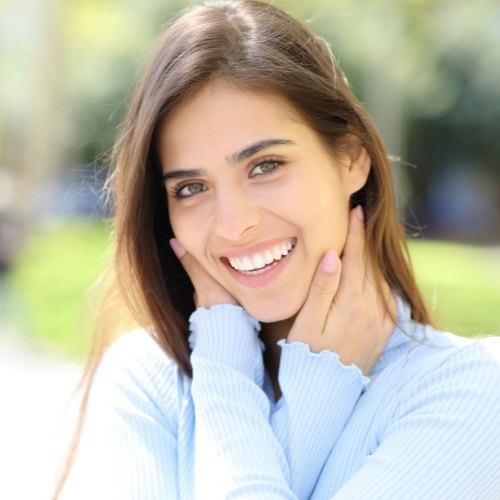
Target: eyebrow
{"points": [[184, 174], [238, 157], [256, 147]]}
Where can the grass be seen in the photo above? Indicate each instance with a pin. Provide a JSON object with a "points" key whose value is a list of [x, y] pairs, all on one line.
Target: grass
{"points": [[52, 276], [461, 284]]}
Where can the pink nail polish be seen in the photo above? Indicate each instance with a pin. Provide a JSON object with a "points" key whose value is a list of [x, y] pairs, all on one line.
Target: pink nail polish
{"points": [[177, 248], [359, 212], [329, 263]]}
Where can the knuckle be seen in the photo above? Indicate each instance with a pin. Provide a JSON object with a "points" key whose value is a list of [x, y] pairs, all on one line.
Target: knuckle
{"points": [[323, 287]]}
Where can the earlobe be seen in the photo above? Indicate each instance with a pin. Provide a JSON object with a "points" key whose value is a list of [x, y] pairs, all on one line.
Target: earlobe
{"points": [[359, 168]]}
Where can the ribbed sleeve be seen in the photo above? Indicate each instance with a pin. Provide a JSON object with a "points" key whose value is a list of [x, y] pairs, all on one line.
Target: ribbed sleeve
{"points": [[318, 396], [442, 439], [227, 334], [236, 452], [425, 425], [128, 446]]}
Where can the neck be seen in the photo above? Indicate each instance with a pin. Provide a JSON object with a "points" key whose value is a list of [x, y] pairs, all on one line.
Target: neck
{"points": [[270, 334]]}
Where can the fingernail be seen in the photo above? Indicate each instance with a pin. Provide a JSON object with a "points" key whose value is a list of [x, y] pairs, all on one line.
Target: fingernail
{"points": [[178, 249], [330, 262], [359, 212]]}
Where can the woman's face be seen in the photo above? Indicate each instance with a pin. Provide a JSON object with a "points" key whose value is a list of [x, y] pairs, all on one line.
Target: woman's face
{"points": [[254, 196]]}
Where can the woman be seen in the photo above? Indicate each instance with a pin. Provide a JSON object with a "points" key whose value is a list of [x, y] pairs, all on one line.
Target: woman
{"points": [[286, 351]]}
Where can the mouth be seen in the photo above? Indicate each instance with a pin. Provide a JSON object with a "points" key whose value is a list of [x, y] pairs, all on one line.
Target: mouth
{"points": [[263, 261]]}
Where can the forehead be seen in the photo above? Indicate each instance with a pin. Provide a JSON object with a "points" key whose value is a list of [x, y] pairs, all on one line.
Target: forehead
{"points": [[228, 95], [223, 115]]}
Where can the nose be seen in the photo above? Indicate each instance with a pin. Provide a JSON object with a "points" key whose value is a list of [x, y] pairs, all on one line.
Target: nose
{"points": [[236, 213]]}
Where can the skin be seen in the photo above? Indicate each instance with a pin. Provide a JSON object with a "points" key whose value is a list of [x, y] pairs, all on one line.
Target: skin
{"points": [[232, 192]]}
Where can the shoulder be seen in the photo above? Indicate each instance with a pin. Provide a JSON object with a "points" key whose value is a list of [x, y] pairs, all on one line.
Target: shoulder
{"points": [[128, 440], [453, 374], [423, 365], [416, 350], [438, 350], [135, 370]]}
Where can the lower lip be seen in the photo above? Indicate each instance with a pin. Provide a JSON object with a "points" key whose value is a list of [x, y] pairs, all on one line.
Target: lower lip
{"points": [[258, 280]]}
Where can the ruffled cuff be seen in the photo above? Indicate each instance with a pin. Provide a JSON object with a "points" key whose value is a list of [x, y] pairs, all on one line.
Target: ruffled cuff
{"points": [[226, 334], [302, 369], [319, 394]]}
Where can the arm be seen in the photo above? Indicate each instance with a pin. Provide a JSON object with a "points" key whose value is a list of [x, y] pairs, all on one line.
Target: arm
{"points": [[237, 454], [336, 338], [443, 440], [128, 448], [319, 395]]}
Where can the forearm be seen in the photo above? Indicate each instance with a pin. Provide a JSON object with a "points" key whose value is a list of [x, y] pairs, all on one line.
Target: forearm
{"points": [[237, 454], [319, 394]]}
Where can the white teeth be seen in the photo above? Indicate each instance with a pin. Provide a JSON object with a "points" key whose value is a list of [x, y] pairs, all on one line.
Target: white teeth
{"points": [[247, 264], [268, 257], [260, 260]]}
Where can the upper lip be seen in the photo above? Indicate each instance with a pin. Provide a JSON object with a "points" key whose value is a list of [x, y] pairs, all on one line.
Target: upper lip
{"points": [[260, 254]]}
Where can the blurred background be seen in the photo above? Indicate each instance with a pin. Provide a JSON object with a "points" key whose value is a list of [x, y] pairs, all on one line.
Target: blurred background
{"points": [[428, 71]]}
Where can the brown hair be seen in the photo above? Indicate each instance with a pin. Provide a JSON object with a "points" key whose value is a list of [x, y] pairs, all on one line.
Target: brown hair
{"points": [[252, 45]]}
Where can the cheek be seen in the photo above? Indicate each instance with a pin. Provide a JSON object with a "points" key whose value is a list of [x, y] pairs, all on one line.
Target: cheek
{"points": [[192, 234], [328, 223], [182, 229]]}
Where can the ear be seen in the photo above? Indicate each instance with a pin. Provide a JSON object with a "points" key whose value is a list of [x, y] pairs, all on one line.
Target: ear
{"points": [[358, 164]]}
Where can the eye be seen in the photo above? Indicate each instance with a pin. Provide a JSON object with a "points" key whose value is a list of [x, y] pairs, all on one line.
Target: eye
{"points": [[189, 190], [265, 166]]}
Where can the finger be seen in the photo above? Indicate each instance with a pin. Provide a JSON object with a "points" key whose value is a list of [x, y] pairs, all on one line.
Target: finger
{"points": [[376, 288], [177, 248], [354, 256], [354, 247], [207, 291], [370, 281], [312, 316], [195, 271]]}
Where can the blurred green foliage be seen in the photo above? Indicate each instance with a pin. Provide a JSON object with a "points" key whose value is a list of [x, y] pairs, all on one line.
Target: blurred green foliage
{"points": [[50, 285], [461, 284], [51, 279], [427, 71]]}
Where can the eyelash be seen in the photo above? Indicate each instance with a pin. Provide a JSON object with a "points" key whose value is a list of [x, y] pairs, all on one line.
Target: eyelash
{"points": [[262, 161], [176, 190]]}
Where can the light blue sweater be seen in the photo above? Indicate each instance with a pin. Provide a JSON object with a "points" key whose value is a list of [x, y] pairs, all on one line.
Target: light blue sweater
{"points": [[424, 425]]}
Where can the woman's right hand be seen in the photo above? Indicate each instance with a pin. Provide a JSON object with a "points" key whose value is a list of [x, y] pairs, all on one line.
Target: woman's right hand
{"points": [[344, 311], [207, 292]]}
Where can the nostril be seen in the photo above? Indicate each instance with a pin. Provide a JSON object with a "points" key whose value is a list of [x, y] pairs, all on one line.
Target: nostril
{"points": [[232, 225]]}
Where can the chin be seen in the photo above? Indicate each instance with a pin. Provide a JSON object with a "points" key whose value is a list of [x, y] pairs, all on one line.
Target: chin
{"points": [[273, 313]]}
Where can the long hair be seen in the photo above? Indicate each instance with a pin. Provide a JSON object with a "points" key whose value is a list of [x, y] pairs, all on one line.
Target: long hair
{"points": [[254, 46]]}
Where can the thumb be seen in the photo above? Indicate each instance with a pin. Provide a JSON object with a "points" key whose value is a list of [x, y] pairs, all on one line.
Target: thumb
{"points": [[311, 319]]}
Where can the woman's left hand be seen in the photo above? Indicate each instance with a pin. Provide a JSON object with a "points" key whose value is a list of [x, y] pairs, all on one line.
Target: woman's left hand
{"points": [[345, 311]]}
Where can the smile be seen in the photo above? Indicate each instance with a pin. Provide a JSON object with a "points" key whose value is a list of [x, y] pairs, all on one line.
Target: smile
{"points": [[261, 262]]}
